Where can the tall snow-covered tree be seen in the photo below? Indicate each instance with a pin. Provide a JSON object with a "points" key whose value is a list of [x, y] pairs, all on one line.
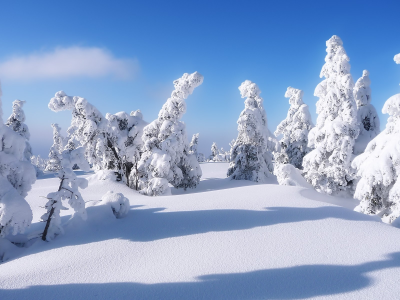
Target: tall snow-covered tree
{"points": [[294, 130], [251, 156], [16, 123], [328, 166], [68, 190], [16, 178], [194, 144], [166, 158], [367, 116], [378, 168], [54, 162], [111, 142]]}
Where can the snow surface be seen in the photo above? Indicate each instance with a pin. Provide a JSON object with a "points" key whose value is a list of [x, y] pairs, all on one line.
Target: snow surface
{"points": [[226, 239]]}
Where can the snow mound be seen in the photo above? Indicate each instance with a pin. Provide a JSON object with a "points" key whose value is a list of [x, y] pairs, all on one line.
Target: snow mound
{"points": [[287, 174], [118, 203]]}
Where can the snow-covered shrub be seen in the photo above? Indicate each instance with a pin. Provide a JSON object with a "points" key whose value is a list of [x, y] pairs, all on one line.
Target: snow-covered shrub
{"points": [[328, 166], [68, 190], [378, 168], [118, 203], [367, 116], [16, 178], [294, 130], [54, 161], [251, 157], [111, 143], [16, 123], [287, 174], [166, 158]]}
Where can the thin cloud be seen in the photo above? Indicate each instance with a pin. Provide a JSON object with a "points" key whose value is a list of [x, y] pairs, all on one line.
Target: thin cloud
{"points": [[69, 62]]}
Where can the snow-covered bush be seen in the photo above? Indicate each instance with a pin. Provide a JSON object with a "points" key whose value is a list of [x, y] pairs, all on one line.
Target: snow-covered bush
{"points": [[328, 166], [378, 168], [251, 156], [294, 130], [287, 174], [367, 116], [68, 190], [54, 161], [16, 178], [166, 158], [118, 203], [111, 143], [16, 123]]}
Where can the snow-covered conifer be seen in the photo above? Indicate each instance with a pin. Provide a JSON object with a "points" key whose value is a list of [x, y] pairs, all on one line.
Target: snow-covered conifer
{"points": [[194, 144], [378, 168], [68, 190], [214, 152], [251, 156], [367, 116], [16, 178], [16, 123], [54, 162], [39, 163], [328, 166], [166, 158], [294, 130]]}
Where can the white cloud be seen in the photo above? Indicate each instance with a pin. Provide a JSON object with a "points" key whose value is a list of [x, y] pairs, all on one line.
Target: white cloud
{"points": [[66, 63], [397, 58]]}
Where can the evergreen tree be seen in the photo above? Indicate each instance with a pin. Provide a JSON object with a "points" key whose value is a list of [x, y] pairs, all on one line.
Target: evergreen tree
{"points": [[295, 129], [251, 157], [327, 167], [366, 113], [194, 144], [166, 158], [16, 178], [54, 162], [378, 168], [214, 152], [16, 123]]}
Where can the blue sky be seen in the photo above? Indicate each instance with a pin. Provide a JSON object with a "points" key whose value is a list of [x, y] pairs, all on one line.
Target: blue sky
{"points": [[145, 45]]}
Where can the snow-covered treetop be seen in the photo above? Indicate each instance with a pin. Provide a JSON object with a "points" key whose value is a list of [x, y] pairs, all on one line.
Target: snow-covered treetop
{"points": [[17, 119], [397, 58], [392, 107], [295, 96], [249, 89], [362, 91], [175, 106], [61, 102]]}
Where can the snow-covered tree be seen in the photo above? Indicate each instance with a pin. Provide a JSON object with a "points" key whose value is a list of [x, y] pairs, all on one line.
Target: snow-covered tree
{"points": [[16, 123], [39, 163], [367, 116], [68, 190], [111, 143], [378, 168], [166, 158], [251, 156], [16, 178], [54, 162], [194, 144], [327, 167], [294, 130], [214, 152], [201, 157]]}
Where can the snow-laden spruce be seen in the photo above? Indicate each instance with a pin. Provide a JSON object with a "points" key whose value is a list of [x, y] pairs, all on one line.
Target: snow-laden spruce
{"points": [[194, 143], [294, 130], [54, 161], [39, 163], [214, 152], [251, 156], [378, 168], [366, 113], [16, 178], [16, 123], [111, 143], [68, 190], [166, 158], [328, 166]]}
